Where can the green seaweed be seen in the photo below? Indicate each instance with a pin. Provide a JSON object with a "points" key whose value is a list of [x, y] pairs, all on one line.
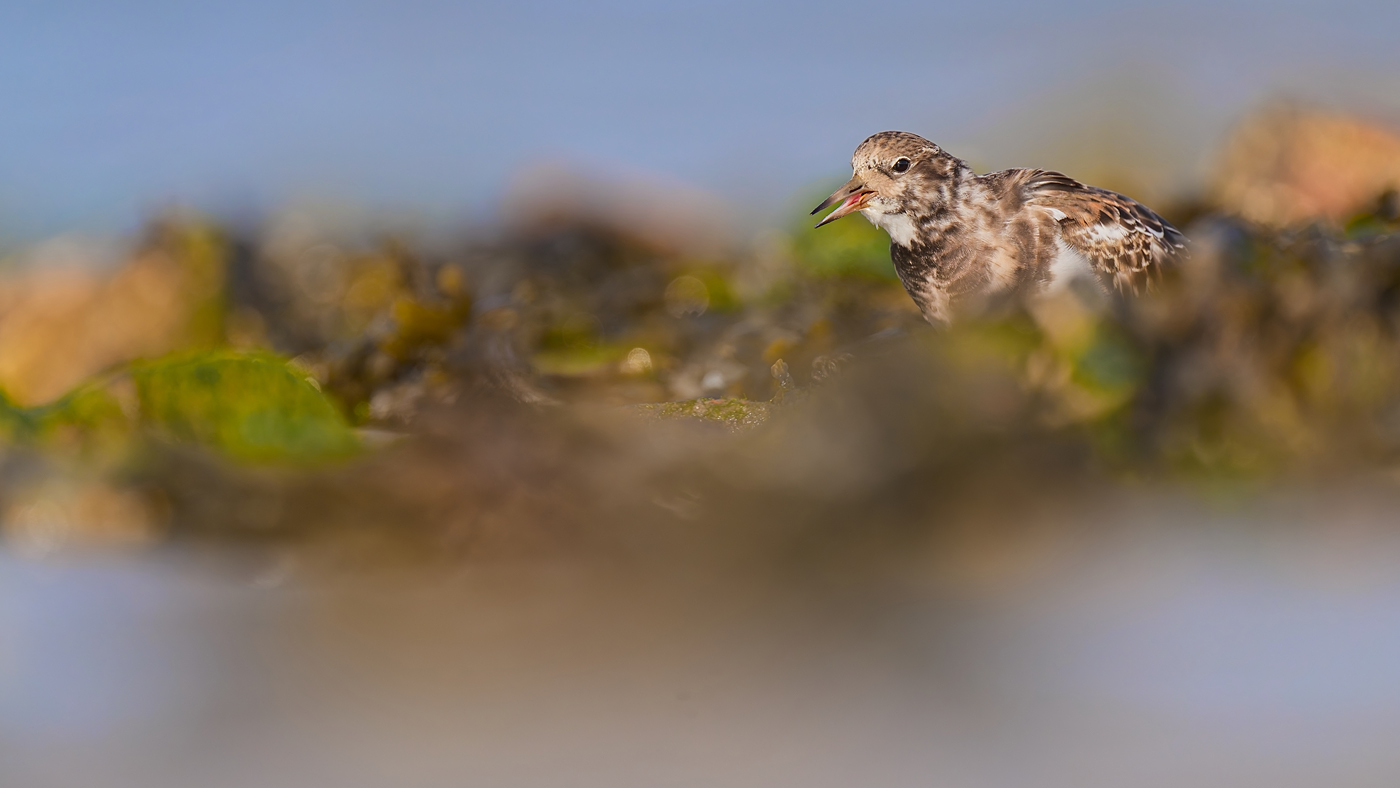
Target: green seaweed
{"points": [[250, 406], [247, 406]]}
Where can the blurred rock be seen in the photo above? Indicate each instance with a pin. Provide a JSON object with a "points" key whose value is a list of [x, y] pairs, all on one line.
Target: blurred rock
{"points": [[64, 318], [732, 414], [1287, 165], [524, 376], [669, 218], [62, 513]]}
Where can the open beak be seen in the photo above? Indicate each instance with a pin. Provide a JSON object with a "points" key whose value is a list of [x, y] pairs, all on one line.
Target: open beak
{"points": [[851, 198]]}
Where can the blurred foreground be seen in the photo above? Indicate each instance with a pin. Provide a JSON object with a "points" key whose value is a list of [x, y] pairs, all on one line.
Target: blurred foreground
{"points": [[1152, 644], [390, 511]]}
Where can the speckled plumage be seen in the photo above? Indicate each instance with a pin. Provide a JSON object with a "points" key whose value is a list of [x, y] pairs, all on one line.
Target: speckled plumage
{"points": [[955, 233]]}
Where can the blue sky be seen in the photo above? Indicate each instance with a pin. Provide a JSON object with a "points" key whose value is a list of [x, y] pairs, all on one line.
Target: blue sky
{"points": [[111, 112]]}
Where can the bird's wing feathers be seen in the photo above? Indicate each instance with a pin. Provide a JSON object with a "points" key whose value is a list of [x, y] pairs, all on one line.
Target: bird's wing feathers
{"points": [[1123, 239]]}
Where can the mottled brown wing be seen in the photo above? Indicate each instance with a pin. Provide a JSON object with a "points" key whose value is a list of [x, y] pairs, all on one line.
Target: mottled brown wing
{"points": [[1123, 239]]}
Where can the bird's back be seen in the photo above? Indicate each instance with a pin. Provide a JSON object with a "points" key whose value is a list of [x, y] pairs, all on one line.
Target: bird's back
{"points": [[1123, 241]]}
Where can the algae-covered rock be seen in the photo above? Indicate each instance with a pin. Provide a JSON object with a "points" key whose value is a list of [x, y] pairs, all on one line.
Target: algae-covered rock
{"points": [[250, 406], [734, 414]]}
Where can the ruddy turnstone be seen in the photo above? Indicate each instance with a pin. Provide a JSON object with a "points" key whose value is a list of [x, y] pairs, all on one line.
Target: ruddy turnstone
{"points": [[955, 233]]}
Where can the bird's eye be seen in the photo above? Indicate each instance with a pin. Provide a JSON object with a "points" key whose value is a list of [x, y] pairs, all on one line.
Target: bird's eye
{"points": [[901, 165]]}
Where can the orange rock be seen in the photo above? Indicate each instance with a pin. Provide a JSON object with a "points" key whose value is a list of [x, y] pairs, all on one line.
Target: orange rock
{"points": [[1286, 165], [63, 319]]}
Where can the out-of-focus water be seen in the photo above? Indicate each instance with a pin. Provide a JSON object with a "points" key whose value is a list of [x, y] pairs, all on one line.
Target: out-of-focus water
{"points": [[1181, 645]]}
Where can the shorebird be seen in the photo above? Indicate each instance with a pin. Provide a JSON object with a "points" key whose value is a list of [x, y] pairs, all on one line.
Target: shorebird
{"points": [[954, 233]]}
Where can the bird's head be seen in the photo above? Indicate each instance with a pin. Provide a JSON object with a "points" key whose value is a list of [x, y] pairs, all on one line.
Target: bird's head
{"points": [[895, 172]]}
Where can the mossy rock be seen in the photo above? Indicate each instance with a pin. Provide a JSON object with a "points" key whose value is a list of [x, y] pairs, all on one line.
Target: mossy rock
{"points": [[731, 413], [250, 406]]}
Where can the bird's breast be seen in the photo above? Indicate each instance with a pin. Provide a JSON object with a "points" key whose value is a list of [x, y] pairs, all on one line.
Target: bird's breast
{"points": [[900, 226]]}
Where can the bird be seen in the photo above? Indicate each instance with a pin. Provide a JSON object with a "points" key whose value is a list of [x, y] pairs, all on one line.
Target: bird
{"points": [[955, 234]]}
